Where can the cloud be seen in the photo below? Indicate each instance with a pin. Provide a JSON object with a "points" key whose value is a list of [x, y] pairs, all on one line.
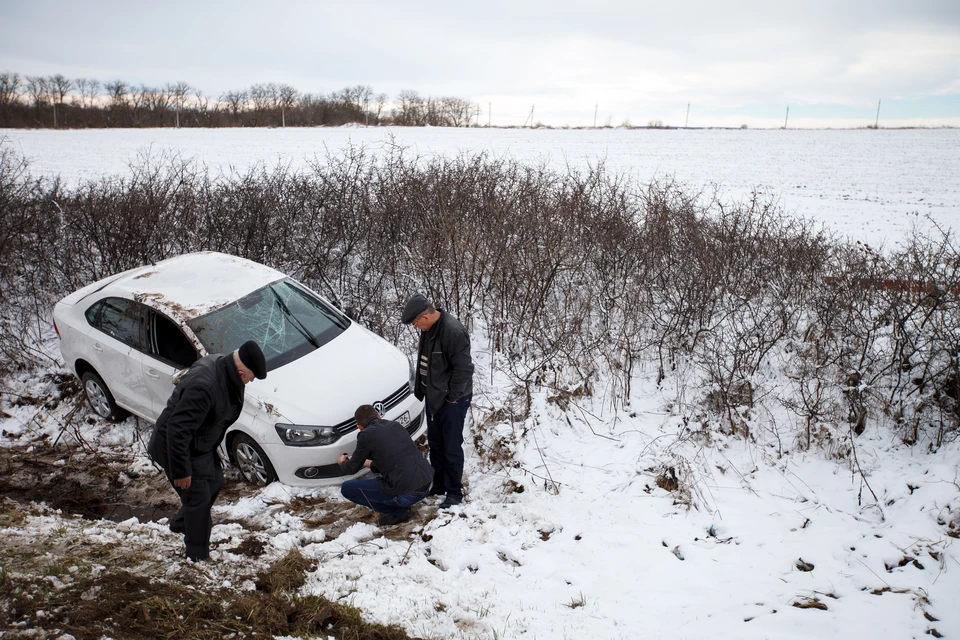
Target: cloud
{"points": [[636, 57]]}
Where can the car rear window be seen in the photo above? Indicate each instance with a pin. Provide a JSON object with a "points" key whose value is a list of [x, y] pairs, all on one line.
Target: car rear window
{"points": [[284, 318]]}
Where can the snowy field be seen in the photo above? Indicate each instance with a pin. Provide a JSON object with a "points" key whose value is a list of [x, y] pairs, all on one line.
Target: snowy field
{"points": [[869, 185], [791, 546]]}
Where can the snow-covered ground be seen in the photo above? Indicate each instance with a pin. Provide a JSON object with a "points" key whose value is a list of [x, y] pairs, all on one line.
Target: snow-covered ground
{"points": [[611, 555], [870, 185], [576, 540]]}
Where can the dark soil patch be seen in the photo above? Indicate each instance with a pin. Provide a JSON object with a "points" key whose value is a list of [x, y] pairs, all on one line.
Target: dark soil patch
{"points": [[124, 605], [667, 479], [250, 547], [95, 486]]}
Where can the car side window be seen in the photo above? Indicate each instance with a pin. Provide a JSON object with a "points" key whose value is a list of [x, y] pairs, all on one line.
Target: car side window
{"points": [[92, 313], [168, 343], [120, 319]]}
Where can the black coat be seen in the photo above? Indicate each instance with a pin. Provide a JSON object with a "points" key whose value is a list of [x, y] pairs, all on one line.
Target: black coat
{"points": [[450, 367], [395, 457], [206, 401]]}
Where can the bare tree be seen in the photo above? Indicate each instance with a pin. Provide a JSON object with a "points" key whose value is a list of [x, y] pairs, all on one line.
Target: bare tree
{"points": [[39, 90], [411, 109], [10, 84], [203, 106], [178, 93], [118, 90], [60, 87], [262, 98], [236, 101], [381, 101], [143, 100], [269, 104], [89, 90], [287, 98], [455, 112], [357, 99], [353, 102]]}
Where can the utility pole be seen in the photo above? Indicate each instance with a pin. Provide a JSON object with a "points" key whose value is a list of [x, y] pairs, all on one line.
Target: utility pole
{"points": [[283, 117], [787, 117], [688, 116], [54, 115], [595, 107], [489, 113], [531, 115], [877, 121]]}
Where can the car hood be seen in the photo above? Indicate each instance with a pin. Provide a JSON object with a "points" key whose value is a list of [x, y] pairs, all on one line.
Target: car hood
{"points": [[326, 386]]}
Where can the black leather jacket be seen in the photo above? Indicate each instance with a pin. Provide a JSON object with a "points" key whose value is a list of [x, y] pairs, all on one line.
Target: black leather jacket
{"points": [[450, 368], [206, 401], [395, 457]]}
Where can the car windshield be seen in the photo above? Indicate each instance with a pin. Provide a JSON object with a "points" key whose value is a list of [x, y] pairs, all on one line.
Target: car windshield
{"points": [[286, 320]]}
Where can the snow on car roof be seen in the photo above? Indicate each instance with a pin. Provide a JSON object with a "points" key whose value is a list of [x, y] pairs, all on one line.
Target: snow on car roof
{"points": [[196, 283]]}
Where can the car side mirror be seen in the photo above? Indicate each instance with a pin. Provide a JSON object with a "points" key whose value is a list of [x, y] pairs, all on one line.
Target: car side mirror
{"points": [[353, 313]]}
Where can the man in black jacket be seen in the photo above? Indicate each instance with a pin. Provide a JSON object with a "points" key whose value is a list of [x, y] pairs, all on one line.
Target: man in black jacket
{"points": [[385, 447], [444, 378], [206, 401]]}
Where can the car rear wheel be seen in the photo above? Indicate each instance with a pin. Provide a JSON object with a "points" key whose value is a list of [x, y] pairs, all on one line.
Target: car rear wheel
{"points": [[253, 463], [100, 398]]}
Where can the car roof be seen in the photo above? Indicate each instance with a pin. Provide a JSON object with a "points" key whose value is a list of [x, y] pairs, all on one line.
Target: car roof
{"points": [[194, 284]]}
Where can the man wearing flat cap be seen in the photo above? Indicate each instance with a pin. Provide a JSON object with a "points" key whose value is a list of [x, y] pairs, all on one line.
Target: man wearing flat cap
{"points": [[444, 380], [205, 402]]}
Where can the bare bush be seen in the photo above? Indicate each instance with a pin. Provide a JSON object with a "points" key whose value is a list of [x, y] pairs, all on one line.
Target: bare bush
{"points": [[570, 277]]}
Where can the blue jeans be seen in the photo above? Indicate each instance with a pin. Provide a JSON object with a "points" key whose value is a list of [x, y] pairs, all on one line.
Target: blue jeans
{"points": [[445, 437], [367, 493]]}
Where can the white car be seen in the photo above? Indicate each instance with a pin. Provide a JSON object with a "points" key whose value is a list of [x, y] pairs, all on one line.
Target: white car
{"points": [[128, 336]]}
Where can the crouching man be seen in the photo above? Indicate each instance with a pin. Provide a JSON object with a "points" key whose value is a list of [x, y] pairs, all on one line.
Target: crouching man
{"points": [[206, 401], [405, 476]]}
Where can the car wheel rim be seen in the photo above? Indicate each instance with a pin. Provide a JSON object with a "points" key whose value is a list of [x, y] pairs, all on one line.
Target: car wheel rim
{"points": [[251, 464], [97, 398]]}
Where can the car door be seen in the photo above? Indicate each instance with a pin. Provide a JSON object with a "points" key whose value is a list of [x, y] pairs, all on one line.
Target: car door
{"points": [[117, 344], [168, 352]]}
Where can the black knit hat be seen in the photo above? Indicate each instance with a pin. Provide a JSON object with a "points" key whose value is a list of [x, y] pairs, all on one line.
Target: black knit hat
{"points": [[416, 305], [252, 358]]}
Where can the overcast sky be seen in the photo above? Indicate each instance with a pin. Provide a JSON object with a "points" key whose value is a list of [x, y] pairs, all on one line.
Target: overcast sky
{"points": [[734, 62]]}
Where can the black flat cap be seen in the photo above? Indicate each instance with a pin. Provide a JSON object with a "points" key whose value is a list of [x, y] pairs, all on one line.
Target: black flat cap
{"points": [[252, 358], [416, 305]]}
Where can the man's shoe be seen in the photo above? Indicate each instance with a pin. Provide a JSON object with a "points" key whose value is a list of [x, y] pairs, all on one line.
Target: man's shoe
{"points": [[390, 519], [451, 501], [434, 491], [177, 528]]}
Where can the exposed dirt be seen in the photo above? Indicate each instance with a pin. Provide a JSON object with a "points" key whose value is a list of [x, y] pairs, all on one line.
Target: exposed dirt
{"points": [[122, 603], [72, 562], [95, 486]]}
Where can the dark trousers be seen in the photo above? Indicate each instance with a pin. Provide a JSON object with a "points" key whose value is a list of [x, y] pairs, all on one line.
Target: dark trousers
{"points": [[194, 518], [445, 437], [367, 493]]}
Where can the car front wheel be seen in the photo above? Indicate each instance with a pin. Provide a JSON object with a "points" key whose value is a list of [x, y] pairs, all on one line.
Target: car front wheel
{"points": [[252, 461], [100, 398]]}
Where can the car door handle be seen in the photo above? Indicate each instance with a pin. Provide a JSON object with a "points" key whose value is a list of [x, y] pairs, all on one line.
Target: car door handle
{"points": [[153, 374], [97, 347]]}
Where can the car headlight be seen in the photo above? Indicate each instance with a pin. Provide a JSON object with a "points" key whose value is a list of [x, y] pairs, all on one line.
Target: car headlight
{"points": [[299, 435]]}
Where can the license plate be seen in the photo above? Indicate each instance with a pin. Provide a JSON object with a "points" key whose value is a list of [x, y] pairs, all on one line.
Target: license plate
{"points": [[404, 419]]}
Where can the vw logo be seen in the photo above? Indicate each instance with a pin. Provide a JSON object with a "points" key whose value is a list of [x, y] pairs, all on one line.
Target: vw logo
{"points": [[378, 407]]}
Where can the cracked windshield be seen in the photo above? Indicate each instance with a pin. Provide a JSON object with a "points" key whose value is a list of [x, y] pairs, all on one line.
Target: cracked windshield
{"points": [[285, 319]]}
